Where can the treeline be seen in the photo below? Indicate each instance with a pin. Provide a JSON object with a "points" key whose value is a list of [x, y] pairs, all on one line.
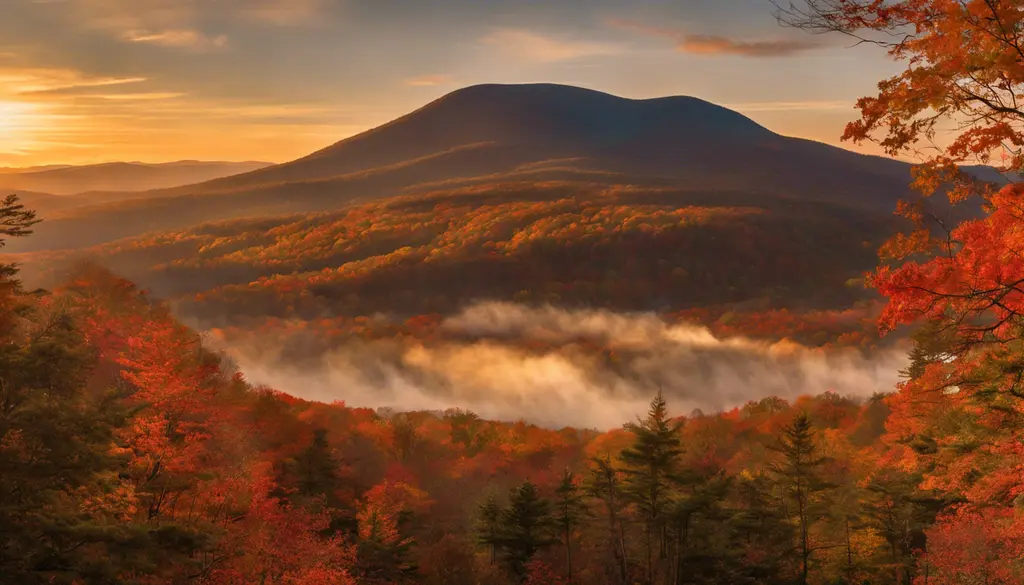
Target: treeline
{"points": [[652, 515]]}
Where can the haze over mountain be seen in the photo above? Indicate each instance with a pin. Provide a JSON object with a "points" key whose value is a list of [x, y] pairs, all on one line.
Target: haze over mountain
{"points": [[511, 133], [119, 176], [17, 170]]}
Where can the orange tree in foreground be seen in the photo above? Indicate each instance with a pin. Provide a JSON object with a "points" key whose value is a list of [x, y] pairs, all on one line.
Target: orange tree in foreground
{"points": [[965, 68], [960, 416]]}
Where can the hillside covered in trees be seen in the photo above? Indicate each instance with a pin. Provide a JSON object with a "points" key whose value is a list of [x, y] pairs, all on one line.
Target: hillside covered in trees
{"points": [[682, 254]]}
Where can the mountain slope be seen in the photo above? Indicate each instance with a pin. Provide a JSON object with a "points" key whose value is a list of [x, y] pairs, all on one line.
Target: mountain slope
{"points": [[536, 121], [620, 247]]}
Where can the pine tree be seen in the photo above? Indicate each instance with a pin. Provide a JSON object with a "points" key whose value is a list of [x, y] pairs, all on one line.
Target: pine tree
{"points": [[526, 527], [763, 532], [931, 343], [570, 510], [651, 467], [316, 467], [605, 486], [489, 524], [799, 475], [899, 512], [700, 548], [15, 222]]}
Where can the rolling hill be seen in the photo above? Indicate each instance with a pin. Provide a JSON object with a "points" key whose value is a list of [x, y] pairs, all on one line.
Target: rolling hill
{"points": [[510, 133], [119, 176]]}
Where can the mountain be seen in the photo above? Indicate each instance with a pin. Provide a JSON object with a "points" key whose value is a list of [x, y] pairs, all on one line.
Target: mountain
{"points": [[534, 194], [119, 176], [511, 133], [500, 128], [520, 124]]}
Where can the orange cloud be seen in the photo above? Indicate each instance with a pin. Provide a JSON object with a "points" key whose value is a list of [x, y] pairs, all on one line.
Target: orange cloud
{"points": [[429, 80], [718, 45], [181, 38], [536, 47], [712, 45], [37, 80]]}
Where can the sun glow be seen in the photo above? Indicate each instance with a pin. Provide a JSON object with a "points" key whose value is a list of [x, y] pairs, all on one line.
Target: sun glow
{"points": [[18, 121]]}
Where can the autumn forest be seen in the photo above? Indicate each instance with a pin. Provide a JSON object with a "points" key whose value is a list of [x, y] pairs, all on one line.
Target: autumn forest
{"points": [[415, 356]]}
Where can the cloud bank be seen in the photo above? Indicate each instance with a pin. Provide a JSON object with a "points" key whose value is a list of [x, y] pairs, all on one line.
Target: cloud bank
{"points": [[700, 44], [585, 368]]}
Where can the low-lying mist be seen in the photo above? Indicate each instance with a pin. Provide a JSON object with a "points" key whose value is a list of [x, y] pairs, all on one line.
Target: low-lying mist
{"points": [[585, 368]]}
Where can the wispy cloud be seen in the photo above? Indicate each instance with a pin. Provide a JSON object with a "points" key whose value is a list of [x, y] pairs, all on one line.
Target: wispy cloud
{"points": [[185, 24], [136, 97], [180, 38], [120, 17], [701, 44], [428, 80], [713, 45], [537, 47], [45, 80]]}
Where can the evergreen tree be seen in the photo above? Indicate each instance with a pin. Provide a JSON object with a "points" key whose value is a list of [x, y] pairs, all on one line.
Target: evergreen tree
{"points": [[604, 485], [316, 467], [570, 510], [764, 535], [799, 474], [899, 512], [700, 549], [489, 524], [932, 343], [526, 528], [15, 221], [651, 467]]}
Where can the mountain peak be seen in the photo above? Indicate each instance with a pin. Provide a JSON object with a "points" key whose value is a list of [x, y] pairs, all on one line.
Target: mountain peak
{"points": [[490, 128], [545, 116], [597, 108]]}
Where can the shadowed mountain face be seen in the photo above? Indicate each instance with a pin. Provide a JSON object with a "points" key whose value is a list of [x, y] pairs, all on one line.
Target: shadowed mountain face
{"points": [[522, 123], [509, 134], [122, 176]]}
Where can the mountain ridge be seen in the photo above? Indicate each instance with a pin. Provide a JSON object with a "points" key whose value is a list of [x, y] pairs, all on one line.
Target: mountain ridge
{"points": [[496, 130]]}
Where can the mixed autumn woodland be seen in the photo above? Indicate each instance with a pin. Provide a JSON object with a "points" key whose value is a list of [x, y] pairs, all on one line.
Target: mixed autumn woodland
{"points": [[132, 453]]}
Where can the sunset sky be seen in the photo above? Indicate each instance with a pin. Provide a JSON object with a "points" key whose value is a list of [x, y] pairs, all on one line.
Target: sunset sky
{"points": [[85, 81]]}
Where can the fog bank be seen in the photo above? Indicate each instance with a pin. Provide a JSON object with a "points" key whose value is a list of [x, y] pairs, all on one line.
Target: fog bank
{"points": [[589, 368]]}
